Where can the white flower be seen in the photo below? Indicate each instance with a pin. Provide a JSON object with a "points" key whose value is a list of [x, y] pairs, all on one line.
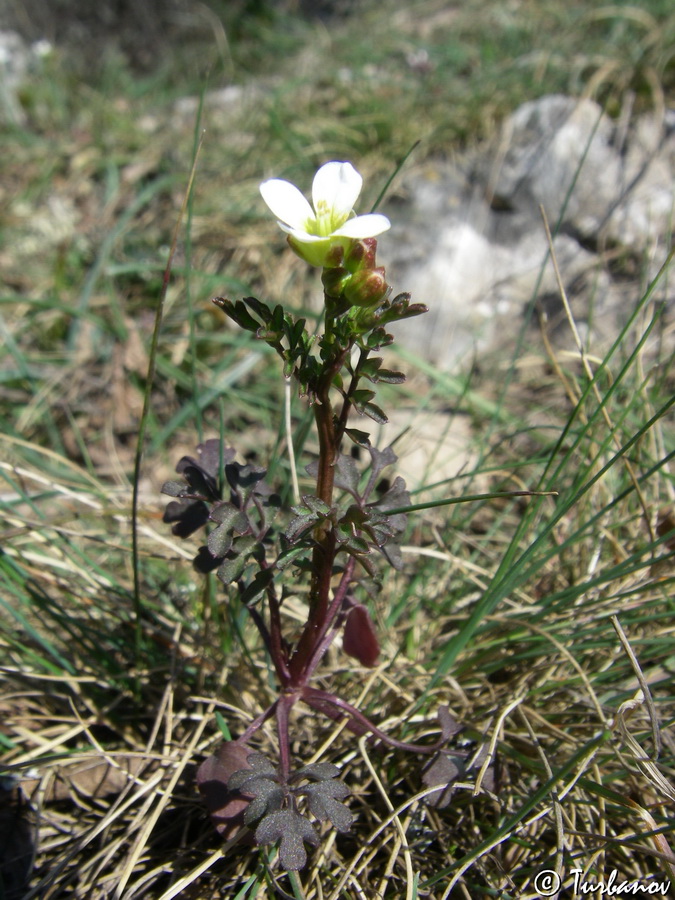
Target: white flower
{"points": [[313, 233]]}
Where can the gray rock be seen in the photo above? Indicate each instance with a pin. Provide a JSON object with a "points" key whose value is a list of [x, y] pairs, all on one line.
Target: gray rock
{"points": [[469, 239]]}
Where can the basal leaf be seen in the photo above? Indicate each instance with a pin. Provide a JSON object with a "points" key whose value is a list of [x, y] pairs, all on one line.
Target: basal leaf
{"points": [[292, 831], [323, 799]]}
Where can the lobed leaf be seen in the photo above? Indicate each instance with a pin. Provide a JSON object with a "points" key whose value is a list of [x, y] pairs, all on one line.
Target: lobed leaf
{"points": [[323, 799], [292, 831], [347, 475]]}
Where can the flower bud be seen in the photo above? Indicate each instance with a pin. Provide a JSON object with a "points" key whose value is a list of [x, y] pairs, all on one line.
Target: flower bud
{"points": [[361, 254], [335, 281], [367, 287]]}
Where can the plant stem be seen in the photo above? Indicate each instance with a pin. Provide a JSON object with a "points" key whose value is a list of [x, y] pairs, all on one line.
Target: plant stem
{"points": [[324, 639], [323, 555], [296, 885], [284, 706], [258, 722], [351, 712]]}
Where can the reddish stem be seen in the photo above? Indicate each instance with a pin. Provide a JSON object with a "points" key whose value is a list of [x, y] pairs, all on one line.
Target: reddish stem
{"points": [[323, 555], [324, 638], [352, 712]]}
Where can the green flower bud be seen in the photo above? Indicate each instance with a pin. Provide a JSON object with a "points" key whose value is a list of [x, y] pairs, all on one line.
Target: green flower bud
{"points": [[361, 254], [367, 287], [335, 281]]}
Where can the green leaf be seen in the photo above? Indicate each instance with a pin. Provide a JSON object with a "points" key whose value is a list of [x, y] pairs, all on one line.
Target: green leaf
{"points": [[288, 556], [389, 376], [315, 505], [362, 438], [259, 308], [238, 313], [277, 321], [258, 586], [370, 367], [361, 398], [378, 338], [223, 727], [232, 569], [374, 412]]}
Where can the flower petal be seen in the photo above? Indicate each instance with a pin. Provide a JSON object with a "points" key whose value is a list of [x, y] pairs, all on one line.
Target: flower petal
{"points": [[336, 185], [366, 226], [299, 235], [287, 202]]}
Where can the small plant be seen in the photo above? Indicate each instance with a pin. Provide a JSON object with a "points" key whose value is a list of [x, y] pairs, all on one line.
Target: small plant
{"points": [[329, 538]]}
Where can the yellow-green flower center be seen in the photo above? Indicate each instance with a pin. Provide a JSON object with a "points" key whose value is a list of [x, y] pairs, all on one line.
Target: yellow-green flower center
{"points": [[325, 222]]}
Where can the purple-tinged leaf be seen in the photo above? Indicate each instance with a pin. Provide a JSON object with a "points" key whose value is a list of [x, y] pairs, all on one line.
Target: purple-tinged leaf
{"points": [[260, 781], [246, 479], [449, 724], [292, 831], [347, 475], [219, 541], [227, 514], [445, 769], [396, 497], [390, 376], [188, 516], [360, 640], [317, 771], [210, 455], [257, 765], [232, 569], [392, 553], [174, 488], [323, 799], [380, 459], [269, 797], [200, 482], [205, 562], [227, 808]]}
